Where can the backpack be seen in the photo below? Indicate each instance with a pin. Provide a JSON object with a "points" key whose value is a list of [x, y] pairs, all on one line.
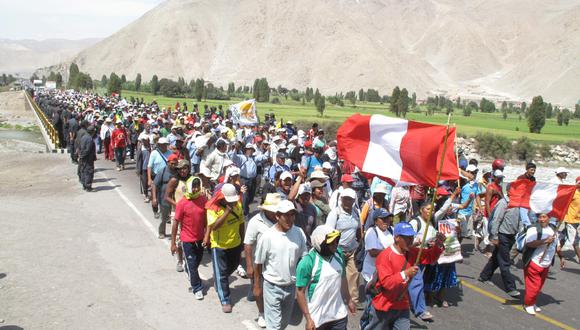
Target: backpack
{"points": [[527, 252], [360, 253]]}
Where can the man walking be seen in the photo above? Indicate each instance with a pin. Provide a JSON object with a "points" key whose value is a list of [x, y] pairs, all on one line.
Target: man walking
{"points": [[119, 139], [87, 158], [277, 255]]}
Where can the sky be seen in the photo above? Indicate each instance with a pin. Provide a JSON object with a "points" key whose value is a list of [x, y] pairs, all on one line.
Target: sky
{"points": [[72, 19]]}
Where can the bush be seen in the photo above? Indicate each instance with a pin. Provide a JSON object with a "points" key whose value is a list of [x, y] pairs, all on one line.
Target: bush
{"points": [[544, 151], [573, 144], [524, 149], [494, 146], [275, 100]]}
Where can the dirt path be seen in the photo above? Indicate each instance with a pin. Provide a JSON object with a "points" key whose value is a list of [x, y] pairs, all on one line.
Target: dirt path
{"points": [[13, 110]]}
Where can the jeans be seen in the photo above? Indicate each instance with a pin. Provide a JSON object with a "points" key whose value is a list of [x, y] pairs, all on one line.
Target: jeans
{"points": [[278, 304], [120, 156], [165, 213], [335, 325], [501, 258], [393, 319], [417, 293], [193, 253], [248, 197], [224, 262]]}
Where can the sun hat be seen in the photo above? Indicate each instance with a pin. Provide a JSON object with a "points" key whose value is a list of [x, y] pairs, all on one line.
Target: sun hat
{"points": [[318, 175], [562, 170], [404, 229], [471, 168], [316, 184], [250, 146], [321, 234], [230, 193], [285, 175], [498, 173], [327, 166], [162, 140], [182, 163], [271, 202]]}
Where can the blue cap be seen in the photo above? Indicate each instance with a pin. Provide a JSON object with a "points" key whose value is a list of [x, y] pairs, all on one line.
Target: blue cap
{"points": [[381, 213], [404, 229]]}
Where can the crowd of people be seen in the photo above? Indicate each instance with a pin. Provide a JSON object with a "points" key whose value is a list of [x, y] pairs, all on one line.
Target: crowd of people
{"points": [[322, 229]]}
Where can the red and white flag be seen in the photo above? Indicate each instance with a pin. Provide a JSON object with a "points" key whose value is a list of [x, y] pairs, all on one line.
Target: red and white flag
{"points": [[541, 197], [402, 150]]}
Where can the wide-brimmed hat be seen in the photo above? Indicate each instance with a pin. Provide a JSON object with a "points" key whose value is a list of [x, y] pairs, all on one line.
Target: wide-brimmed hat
{"points": [[271, 202]]}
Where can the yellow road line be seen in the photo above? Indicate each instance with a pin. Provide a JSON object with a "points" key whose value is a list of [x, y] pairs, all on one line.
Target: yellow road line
{"points": [[518, 307]]}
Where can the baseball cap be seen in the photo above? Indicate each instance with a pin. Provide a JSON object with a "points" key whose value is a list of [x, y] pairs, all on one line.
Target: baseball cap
{"points": [[471, 168], [281, 155], [230, 193], [250, 146], [441, 191], [562, 170], [182, 163], [348, 192], [327, 166], [404, 229], [304, 189], [285, 207], [285, 175], [346, 178], [323, 233], [162, 140], [172, 157], [381, 213], [498, 173]]}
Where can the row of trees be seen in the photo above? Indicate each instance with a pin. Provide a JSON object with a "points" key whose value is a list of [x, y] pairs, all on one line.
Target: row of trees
{"points": [[6, 80]]}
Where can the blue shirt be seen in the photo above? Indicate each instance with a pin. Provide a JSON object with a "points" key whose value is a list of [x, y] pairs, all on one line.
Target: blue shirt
{"points": [[466, 190], [192, 148], [248, 165], [158, 161], [309, 163], [276, 168]]}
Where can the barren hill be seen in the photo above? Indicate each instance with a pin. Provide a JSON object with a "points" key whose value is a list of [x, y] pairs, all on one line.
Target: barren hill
{"points": [[515, 49]]}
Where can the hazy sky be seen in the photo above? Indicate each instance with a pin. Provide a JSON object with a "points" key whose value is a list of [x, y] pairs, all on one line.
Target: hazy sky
{"points": [[73, 19]]}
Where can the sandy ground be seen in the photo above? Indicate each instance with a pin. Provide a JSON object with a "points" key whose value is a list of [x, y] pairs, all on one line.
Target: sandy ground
{"points": [[13, 110]]}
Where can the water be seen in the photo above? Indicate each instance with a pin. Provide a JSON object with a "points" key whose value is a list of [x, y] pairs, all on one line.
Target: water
{"points": [[9, 134]]}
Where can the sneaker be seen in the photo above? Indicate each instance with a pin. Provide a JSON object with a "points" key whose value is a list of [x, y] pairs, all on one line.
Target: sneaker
{"points": [[198, 295], [261, 321], [227, 308], [118, 168], [242, 272], [147, 200], [156, 215], [537, 309], [161, 236], [514, 294], [530, 310], [426, 317], [179, 267]]}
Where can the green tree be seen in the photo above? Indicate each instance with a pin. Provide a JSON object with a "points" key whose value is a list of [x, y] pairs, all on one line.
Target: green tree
{"points": [[351, 96], [199, 89], [316, 98], [154, 84], [73, 72], [577, 110], [559, 118], [138, 82], [321, 105], [309, 94], [566, 115], [58, 80], [104, 81], [114, 85], [361, 95], [537, 115], [414, 99], [84, 81], [264, 91], [403, 102], [549, 110], [231, 89], [123, 79], [395, 100]]}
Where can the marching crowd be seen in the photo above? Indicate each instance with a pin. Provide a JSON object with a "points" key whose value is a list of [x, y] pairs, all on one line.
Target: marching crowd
{"points": [[322, 229]]}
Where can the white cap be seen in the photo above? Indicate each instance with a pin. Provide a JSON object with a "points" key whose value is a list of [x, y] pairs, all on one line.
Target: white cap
{"points": [[276, 139], [317, 174], [162, 140], [471, 168], [143, 136], [348, 192], [293, 138], [232, 171], [227, 162], [286, 206], [230, 193], [301, 133], [197, 124], [562, 170], [250, 146], [285, 175], [327, 166], [381, 188], [498, 173], [304, 188]]}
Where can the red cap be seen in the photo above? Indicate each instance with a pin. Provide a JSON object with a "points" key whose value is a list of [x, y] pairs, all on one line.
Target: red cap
{"points": [[441, 191], [578, 179], [346, 178], [172, 157]]}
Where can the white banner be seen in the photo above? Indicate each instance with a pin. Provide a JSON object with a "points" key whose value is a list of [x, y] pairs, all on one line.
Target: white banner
{"points": [[452, 251], [244, 113]]}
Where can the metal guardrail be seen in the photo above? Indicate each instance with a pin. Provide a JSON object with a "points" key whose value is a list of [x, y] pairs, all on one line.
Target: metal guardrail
{"points": [[49, 132]]}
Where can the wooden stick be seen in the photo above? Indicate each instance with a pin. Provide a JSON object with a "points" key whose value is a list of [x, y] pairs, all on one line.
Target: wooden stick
{"points": [[435, 193]]}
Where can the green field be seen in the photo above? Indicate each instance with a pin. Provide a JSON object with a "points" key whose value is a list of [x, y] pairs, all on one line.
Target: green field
{"points": [[477, 122]]}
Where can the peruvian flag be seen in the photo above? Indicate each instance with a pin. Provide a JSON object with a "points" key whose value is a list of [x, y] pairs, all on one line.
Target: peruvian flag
{"points": [[541, 197], [405, 151]]}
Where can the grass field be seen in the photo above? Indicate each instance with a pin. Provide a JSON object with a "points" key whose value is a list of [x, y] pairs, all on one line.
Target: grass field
{"points": [[512, 128]]}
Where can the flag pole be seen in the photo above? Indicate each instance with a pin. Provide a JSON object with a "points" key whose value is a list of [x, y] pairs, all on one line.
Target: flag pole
{"points": [[435, 193]]}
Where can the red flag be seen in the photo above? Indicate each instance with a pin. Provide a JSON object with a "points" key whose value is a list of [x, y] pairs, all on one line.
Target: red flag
{"points": [[541, 197]]}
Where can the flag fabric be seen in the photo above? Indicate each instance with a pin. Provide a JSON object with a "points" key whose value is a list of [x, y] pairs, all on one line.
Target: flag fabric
{"points": [[405, 151], [541, 197], [244, 113]]}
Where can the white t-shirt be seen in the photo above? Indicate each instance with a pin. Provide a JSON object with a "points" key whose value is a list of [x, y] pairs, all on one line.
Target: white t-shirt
{"points": [[532, 235], [279, 252], [257, 225], [375, 239]]}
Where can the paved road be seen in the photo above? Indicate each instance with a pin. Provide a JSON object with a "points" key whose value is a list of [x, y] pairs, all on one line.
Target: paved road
{"points": [[70, 259]]}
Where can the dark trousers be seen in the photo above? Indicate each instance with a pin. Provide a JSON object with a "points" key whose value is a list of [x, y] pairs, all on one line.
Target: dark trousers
{"points": [[144, 186], [165, 214], [225, 262], [335, 325], [248, 197], [120, 156], [72, 151], [393, 319], [87, 172], [132, 150], [107, 146], [501, 258], [193, 253]]}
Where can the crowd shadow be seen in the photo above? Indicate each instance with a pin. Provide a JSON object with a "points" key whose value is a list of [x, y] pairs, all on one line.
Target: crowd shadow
{"points": [[11, 327], [100, 180], [105, 188]]}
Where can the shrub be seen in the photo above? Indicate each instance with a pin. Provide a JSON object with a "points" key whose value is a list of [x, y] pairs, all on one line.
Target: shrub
{"points": [[573, 144], [275, 100], [524, 149], [494, 146], [544, 151]]}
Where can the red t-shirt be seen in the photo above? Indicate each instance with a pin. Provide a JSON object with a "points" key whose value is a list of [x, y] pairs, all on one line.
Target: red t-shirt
{"points": [[391, 287], [192, 217], [119, 138]]}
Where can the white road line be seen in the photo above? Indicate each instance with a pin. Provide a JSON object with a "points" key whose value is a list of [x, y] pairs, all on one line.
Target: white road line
{"points": [[133, 207]]}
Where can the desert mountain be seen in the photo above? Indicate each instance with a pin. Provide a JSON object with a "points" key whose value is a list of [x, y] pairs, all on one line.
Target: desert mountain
{"points": [[24, 56], [513, 49]]}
